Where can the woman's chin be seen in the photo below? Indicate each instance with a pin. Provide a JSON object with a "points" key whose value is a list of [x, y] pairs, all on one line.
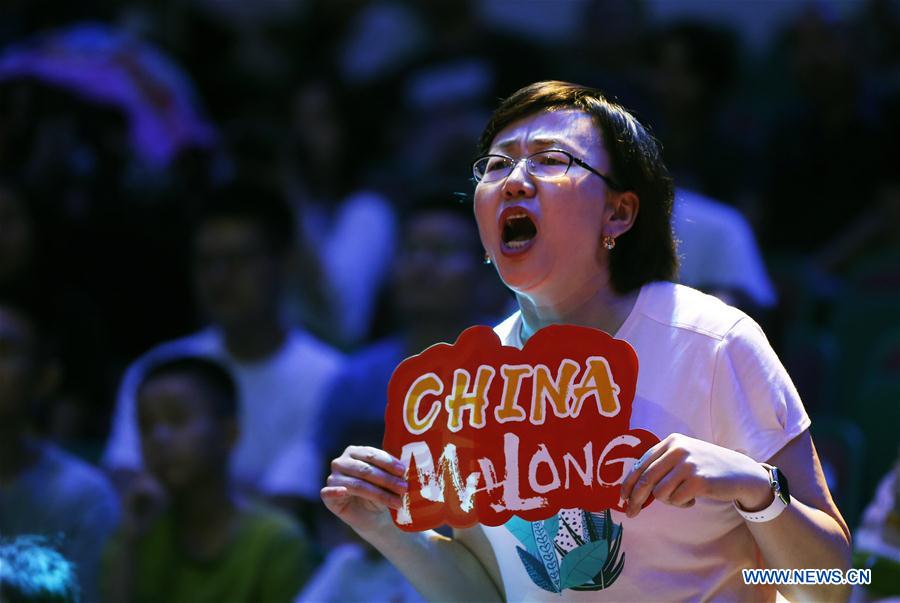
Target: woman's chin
{"points": [[521, 277], [556, 291]]}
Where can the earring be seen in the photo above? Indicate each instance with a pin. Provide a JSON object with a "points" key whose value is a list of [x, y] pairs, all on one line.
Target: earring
{"points": [[487, 258], [609, 242]]}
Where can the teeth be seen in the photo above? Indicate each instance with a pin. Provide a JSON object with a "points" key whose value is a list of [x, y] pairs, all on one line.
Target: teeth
{"points": [[517, 216], [517, 244]]}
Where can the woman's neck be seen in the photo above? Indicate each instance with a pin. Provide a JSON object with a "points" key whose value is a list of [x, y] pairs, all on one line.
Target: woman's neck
{"points": [[604, 309]]}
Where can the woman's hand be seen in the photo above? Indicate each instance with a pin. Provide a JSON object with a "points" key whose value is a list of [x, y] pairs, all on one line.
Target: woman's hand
{"points": [[681, 469], [363, 483]]}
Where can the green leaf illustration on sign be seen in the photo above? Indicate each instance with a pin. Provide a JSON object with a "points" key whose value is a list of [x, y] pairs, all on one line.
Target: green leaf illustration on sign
{"points": [[552, 526], [581, 564], [547, 552], [521, 529], [536, 571], [594, 564]]}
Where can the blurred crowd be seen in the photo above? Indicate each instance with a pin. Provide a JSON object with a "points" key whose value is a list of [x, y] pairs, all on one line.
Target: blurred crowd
{"points": [[223, 224]]}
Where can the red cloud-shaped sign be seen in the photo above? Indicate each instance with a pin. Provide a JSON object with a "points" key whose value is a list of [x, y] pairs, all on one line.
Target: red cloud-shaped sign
{"points": [[489, 431]]}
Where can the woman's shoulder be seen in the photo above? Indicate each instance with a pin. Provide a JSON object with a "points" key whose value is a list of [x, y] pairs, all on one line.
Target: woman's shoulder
{"points": [[685, 308]]}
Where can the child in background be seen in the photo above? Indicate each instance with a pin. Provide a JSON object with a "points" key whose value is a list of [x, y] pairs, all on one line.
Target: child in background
{"points": [[186, 536]]}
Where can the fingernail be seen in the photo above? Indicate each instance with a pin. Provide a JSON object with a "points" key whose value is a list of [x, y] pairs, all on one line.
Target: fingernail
{"points": [[621, 502]]}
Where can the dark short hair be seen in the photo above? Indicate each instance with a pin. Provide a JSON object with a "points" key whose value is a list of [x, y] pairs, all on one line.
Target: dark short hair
{"points": [[210, 375], [646, 252], [254, 202]]}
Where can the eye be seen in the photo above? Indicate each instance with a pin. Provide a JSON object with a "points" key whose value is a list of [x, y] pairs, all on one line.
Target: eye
{"points": [[497, 163], [552, 158]]}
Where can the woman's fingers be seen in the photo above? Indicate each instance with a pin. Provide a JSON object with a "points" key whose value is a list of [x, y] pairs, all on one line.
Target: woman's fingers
{"points": [[352, 467], [640, 466], [377, 457], [360, 488], [669, 484], [368, 473], [648, 479], [685, 495]]}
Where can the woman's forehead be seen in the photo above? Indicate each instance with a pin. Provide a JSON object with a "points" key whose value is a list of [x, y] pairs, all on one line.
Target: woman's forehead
{"points": [[566, 128]]}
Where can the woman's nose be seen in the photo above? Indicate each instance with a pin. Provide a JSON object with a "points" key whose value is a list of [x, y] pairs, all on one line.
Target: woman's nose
{"points": [[519, 182]]}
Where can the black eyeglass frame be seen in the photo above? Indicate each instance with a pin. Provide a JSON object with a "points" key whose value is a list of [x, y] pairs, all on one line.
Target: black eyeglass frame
{"points": [[610, 182]]}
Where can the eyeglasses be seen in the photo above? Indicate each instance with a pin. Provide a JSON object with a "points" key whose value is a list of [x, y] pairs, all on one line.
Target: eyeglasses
{"points": [[552, 163]]}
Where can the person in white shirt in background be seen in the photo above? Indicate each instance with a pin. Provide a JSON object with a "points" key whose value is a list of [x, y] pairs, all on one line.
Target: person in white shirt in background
{"points": [[239, 249]]}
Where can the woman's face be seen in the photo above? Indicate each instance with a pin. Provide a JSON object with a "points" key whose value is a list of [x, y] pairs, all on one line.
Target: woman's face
{"points": [[557, 258]]}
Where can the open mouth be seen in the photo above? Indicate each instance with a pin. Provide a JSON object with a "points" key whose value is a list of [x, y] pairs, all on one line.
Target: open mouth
{"points": [[518, 230]]}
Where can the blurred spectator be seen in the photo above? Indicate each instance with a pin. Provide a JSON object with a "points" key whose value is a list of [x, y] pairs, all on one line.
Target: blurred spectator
{"points": [[350, 227], [439, 287], [76, 414], [612, 61], [17, 244], [108, 67], [825, 152], [444, 103], [693, 69], [356, 572], [380, 37], [877, 542], [108, 229], [240, 245], [44, 490], [31, 571], [719, 254], [186, 536]]}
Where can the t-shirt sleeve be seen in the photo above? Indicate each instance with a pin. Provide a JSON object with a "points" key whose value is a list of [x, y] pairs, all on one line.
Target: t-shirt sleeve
{"points": [[755, 408]]}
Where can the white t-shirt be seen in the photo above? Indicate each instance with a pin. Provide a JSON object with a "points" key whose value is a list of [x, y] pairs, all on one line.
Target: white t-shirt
{"points": [[279, 398], [706, 371]]}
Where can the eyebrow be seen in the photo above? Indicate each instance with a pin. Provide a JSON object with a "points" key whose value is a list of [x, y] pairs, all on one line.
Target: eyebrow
{"points": [[539, 142]]}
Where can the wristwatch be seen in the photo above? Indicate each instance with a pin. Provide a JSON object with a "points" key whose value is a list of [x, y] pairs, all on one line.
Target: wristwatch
{"points": [[781, 501]]}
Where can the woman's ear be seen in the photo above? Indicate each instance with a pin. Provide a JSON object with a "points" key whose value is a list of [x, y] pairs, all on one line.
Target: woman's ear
{"points": [[623, 211]]}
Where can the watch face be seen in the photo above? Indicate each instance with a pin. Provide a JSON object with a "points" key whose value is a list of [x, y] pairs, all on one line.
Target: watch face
{"points": [[784, 492]]}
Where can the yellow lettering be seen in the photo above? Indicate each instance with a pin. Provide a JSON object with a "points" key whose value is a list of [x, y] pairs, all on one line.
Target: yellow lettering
{"points": [[509, 410], [461, 399], [597, 381], [557, 391], [426, 384]]}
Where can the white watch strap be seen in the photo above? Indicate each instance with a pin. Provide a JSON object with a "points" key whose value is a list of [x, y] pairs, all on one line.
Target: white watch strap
{"points": [[769, 513]]}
